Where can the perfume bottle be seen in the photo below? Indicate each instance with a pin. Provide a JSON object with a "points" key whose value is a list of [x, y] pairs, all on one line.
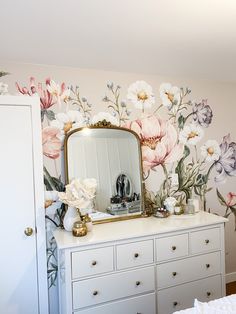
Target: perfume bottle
{"points": [[190, 207]]}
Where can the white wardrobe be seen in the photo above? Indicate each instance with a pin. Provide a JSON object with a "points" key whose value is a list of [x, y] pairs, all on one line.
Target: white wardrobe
{"points": [[23, 271]]}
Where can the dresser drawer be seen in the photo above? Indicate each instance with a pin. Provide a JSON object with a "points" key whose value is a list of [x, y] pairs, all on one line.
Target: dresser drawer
{"points": [[114, 286], [171, 247], [205, 240], [92, 262], [145, 304], [134, 254], [193, 268], [182, 297]]}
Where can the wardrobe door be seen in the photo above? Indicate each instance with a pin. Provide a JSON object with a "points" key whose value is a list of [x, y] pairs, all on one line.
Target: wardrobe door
{"points": [[18, 257]]}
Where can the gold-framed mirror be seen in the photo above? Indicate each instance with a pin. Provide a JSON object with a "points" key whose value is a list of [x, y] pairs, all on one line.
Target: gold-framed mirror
{"points": [[112, 156]]}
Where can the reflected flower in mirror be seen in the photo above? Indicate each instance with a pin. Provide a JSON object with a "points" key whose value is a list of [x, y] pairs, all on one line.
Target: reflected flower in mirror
{"points": [[79, 194]]}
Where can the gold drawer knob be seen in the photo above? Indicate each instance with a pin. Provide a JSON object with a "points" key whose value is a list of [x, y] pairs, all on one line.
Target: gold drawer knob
{"points": [[174, 273], [173, 248], [95, 292], [208, 294], [28, 231], [94, 263], [207, 241], [136, 255], [175, 303], [138, 283], [208, 265]]}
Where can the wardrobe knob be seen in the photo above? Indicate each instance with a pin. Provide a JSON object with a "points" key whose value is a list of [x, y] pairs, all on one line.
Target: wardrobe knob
{"points": [[174, 273], [208, 265], [207, 241], [94, 263], [138, 283], [28, 231], [95, 292], [208, 293], [175, 303], [173, 248], [136, 255]]}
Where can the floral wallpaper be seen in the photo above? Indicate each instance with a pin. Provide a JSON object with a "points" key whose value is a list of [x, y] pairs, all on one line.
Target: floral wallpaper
{"points": [[173, 142]]}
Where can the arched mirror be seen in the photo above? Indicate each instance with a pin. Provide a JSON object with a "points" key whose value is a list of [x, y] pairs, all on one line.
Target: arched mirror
{"points": [[112, 156]]}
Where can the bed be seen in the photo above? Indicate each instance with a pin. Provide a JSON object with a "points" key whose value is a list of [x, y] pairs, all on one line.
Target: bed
{"points": [[225, 305]]}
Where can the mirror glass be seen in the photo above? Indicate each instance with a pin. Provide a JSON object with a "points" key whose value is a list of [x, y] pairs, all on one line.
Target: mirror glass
{"points": [[113, 157]]}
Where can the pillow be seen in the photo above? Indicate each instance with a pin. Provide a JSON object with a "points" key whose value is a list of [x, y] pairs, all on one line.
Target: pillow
{"points": [[214, 307]]}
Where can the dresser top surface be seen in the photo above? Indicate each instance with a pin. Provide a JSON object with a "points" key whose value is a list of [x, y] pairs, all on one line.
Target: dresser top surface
{"points": [[135, 228]]}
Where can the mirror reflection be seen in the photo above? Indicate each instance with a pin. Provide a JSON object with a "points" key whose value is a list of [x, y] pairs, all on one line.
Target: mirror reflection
{"points": [[113, 157]]}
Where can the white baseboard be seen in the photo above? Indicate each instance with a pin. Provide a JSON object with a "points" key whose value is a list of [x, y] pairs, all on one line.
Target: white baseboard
{"points": [[230, 277]]}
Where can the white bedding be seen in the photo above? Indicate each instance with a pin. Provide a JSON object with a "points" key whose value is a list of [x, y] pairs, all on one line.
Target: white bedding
{"points": [[225, 305]]}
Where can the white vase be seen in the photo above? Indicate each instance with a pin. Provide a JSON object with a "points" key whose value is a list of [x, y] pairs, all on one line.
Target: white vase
{"points": [[71, 216]]}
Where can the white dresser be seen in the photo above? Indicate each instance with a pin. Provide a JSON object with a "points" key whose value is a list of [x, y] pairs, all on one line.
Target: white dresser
{"points": [[142, 266]]}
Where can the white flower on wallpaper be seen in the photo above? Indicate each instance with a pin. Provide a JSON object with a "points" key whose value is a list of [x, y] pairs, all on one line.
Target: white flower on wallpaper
{"points": [[191, 134], [210, 151], [59, 91], [68, 121], [170, 95], [104, 116], [140, 94]]}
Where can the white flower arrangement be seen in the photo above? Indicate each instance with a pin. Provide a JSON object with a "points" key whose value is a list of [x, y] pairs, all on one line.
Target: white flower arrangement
{"points": [[79, 193]]}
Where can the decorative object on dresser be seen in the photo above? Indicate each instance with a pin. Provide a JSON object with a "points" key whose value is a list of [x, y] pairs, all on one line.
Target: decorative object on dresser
{"points": [[23, 267], [146, 265], [78, 196], [117, 169], [71, 216]]}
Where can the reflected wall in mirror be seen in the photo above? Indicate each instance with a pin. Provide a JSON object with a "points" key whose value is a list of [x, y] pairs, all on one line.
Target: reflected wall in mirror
{"points": [[112, 156]]}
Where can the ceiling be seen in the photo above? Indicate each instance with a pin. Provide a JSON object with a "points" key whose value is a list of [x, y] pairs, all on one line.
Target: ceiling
{"points": [[190, 38]]}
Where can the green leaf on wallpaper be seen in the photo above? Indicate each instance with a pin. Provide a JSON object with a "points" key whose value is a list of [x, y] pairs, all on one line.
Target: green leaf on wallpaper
{"points": [[181, 121], [42, 115], [186, 152], [3, 73], [57, 184], [200, 180], [50, 115], [220, 198]]}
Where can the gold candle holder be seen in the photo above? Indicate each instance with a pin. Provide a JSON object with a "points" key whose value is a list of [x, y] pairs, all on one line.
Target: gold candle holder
{"points": [[79, 229]]}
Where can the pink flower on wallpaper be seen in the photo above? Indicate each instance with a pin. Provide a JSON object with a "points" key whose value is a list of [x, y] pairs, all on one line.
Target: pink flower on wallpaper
{"points": [[231, 199], [159, 141], [48, 96], [51, 142]]}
